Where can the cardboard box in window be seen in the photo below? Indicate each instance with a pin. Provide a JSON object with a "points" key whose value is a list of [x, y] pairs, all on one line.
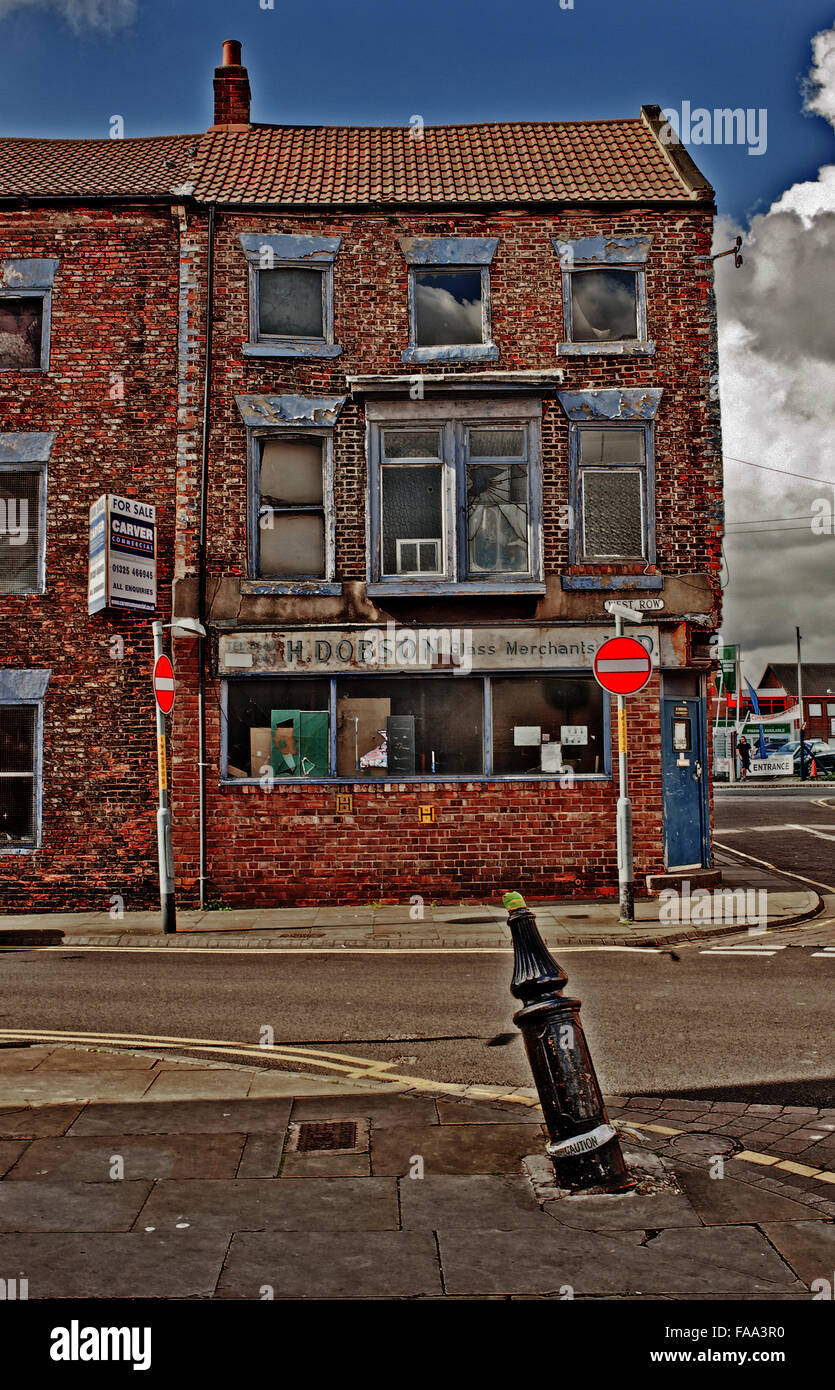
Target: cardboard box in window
{"points": [[260, 751]]}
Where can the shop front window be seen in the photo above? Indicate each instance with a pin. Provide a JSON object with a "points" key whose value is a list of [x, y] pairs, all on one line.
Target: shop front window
{"points": [[408, 727]]}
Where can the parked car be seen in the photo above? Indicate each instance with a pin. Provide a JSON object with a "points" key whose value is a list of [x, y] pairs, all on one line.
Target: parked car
{"points": [[823, 754]]}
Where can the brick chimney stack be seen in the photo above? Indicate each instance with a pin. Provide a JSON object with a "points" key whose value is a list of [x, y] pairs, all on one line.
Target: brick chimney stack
{"points": [[232, 94]]}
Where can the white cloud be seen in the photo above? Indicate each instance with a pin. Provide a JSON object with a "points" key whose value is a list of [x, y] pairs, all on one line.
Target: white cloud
{"points": [[106, 15], [777, 384]]}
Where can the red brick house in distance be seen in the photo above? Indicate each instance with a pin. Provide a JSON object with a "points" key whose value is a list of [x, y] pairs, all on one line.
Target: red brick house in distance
{"points": [[427, 399]]}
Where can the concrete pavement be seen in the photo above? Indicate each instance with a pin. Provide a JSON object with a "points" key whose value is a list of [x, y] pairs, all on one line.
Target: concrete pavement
{"points": [[130, 1175]]}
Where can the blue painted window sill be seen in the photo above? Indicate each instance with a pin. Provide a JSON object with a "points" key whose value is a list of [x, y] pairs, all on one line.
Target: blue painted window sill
{"points": [[290, 349], [417, 588], [644, 349], [464, 352], [300, 587], [612, 581]]}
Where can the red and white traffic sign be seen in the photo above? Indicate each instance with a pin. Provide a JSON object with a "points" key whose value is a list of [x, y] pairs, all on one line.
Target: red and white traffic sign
{"points": [[622, 666], [164, 684]]}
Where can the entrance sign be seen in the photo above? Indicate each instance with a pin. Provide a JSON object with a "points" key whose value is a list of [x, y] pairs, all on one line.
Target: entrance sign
{"points": [[622, 666], [164, 684], [123, 555]]}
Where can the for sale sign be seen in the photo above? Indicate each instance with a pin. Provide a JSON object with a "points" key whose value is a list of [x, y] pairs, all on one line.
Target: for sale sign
{"points": [[123, 555]]}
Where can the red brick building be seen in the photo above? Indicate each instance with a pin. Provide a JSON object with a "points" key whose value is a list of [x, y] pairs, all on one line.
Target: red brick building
{"points": [[455, 389]]}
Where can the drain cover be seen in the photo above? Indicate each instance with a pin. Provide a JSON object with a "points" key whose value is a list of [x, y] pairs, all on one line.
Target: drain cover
{"points": [[326, 1134]]}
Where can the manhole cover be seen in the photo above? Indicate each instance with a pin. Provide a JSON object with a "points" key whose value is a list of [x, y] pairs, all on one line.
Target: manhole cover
{"points": [[326, 1134], [706, 1144]]}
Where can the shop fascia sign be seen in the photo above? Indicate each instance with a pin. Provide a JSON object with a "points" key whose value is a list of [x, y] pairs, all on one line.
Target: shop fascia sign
{"points": [[328, 651], [122, 569]]}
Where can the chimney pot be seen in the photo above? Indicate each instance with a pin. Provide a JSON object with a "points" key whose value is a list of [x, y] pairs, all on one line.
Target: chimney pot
{"points": [[231, 53]]}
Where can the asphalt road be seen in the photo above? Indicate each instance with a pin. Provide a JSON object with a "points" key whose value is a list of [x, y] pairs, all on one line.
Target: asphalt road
{"points": [[787, 830], [746, 1028]]}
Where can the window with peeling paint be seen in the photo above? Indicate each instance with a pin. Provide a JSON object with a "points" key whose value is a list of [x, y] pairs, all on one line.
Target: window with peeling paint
{"points": [[604, 306], [291, 510], [18, 725], [448, 307], [290, 303], [21, 532], [612, 494], [21, 331]]}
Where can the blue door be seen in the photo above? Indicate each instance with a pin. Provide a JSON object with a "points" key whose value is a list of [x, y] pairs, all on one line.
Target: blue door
{"points": [[683, 774]]}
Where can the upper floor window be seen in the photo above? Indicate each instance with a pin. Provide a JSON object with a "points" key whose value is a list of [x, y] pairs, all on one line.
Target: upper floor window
{"points": [[604, 295], [291, 540], [23, 482], [25, 313], [290, 295], [449, 298], [454, 498]]}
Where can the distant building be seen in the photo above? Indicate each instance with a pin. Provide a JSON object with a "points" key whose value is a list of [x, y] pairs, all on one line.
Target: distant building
{"points": [[461, 390], [818, 693]]}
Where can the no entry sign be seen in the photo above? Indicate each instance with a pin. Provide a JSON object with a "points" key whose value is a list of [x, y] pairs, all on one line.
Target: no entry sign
{"points": [[164, 684], [622, 666]]}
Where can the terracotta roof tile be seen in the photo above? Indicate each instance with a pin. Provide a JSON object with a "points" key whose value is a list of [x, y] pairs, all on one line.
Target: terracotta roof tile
{"points": [[527, 162]]}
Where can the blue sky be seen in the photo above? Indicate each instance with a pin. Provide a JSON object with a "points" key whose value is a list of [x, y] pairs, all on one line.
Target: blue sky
{"points": [[71, 64]]}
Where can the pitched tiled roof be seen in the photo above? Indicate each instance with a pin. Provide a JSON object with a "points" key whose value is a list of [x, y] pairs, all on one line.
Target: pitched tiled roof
{"points": [[818, 676], [93, 168], [302, 165]]}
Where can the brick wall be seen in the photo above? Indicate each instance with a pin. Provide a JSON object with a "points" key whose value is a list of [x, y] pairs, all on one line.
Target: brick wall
{"points": [[110, 395]]}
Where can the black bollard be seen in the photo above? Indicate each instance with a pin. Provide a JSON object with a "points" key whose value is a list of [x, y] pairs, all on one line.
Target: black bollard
{"points": [[584, 1148]]}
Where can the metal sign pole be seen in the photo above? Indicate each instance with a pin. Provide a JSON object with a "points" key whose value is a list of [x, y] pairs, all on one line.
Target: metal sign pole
{"points": [[626, 884], [164, 843]]}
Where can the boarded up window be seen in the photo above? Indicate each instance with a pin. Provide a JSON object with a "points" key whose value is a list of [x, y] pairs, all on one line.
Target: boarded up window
{"points": [[613, 514], [21, 325], [291, 530], [290, 303], [20, 527], [604, 306], [17, 774]]}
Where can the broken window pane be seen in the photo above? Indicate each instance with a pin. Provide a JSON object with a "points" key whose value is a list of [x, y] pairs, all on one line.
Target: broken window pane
{"points": [[448, 307], [604, 305], [615, 445], [291, 473], [21, 320], [612, 514], [17, 763], [20, 493], [290, 303], [412, 444], [409, 727], [412, 500], [497, 518], [292, 544], [544, 724], [503, 444]]}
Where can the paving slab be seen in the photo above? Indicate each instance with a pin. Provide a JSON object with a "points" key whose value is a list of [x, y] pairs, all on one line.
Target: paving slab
{"points": [[70, 1206], [10, 1152], [143, 1156], [55, 1088], [682, 1262], [184, 1117], [259, 1204], [326, 1165], [339, 1264], [18, 1059], [197, 1083], [450, 1148], [383, 1110], [732, 1201], [170, 1264], [807, 1246], [283, 1083], [475, 1112], [35, 1122], [80, 1060], [622, 1212], [449, 1200]]}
